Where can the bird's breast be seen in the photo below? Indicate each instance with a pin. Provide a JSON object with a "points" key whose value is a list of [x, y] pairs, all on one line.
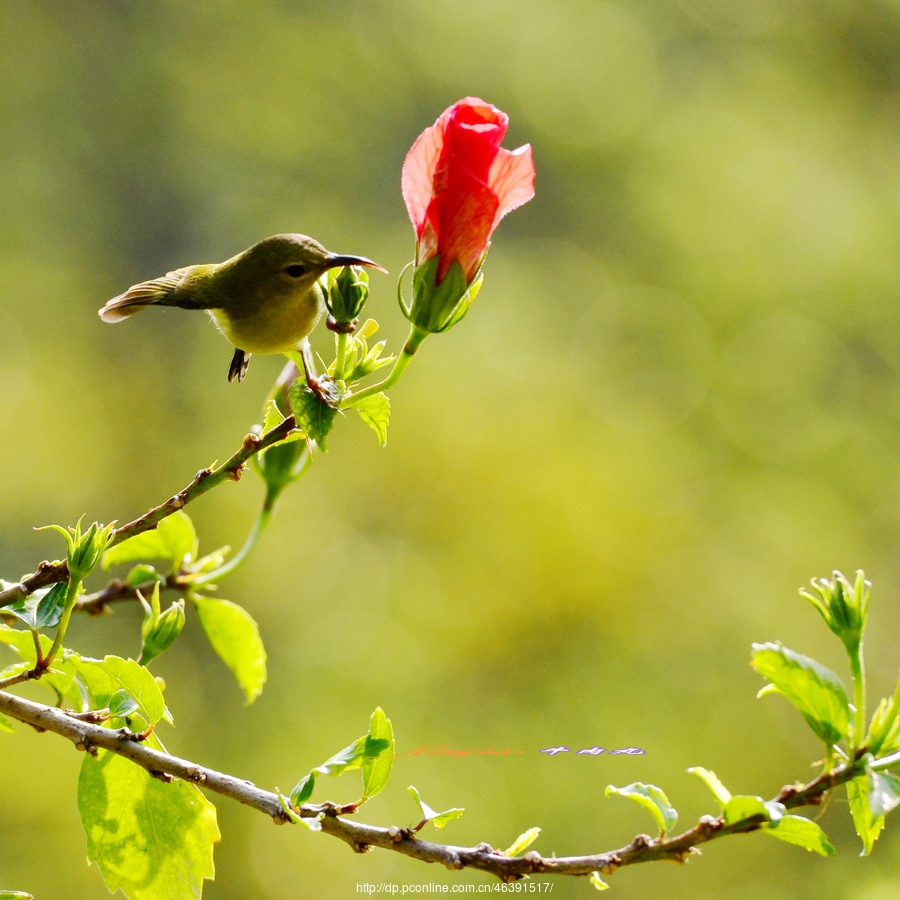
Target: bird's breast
{"points": [[273, 326]]}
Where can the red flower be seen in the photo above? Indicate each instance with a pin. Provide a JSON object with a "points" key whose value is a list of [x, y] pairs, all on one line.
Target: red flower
{"points": [[458, 183]]}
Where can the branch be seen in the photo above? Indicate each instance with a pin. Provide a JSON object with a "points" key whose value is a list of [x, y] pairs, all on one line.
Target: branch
{"points": [[87, 736], [48, 573], [95, 604]]}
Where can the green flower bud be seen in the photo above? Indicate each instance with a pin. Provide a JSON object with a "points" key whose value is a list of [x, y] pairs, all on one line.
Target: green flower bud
{"points": [[348, 290], [159, 630], [884, 732], [84, 548], [438, 307], [843, 606]]}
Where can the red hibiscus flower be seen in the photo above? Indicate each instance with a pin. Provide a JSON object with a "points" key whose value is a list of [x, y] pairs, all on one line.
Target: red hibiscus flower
{"points": [[458, 183]]}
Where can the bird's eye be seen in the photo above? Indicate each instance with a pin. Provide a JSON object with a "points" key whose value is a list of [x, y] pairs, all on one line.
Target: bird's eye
{"points": [[295, 271]]}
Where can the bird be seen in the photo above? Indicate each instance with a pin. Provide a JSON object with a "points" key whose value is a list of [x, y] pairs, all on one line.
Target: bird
{"points": [[264, 300]]}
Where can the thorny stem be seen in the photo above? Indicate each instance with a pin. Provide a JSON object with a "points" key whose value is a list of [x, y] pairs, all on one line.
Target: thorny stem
{"points": [[361, 837]]}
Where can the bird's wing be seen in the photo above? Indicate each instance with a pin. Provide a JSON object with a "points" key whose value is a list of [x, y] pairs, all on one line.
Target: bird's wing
{"points": [[157, 292]]}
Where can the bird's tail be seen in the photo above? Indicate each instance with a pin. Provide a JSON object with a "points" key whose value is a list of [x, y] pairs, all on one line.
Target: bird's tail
{"points": [[158, 292]]}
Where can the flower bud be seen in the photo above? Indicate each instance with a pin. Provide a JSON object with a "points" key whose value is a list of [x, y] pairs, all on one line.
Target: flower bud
{"points": [[348, 290], [458, 183], [84, 549], [843, 606], [159, 630], [438, 307]]}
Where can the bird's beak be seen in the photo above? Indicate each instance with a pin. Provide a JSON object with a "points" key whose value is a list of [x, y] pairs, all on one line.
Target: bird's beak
{"points": [[334, 260]]}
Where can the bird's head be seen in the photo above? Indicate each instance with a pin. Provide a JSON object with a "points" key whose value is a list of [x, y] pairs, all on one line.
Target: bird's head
{"points": [[285, 263]]}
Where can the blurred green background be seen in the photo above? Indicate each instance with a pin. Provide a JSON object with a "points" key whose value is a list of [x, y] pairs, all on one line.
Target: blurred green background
{"points": [[676, 399]]}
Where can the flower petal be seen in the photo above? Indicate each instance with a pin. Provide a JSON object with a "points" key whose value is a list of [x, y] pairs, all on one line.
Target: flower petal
{"points": [[418, 173], [512, 179]]}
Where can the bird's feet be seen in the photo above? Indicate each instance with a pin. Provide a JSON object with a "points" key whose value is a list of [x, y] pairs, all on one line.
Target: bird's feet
{"points": [[324, 387]]}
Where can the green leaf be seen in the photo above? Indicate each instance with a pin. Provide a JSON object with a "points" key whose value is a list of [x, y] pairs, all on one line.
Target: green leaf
{"points": [[598, 882], [709, 778], [105, 678], [802, 832], [234, 635], [438, 819], [651, 798], [174, 539], [813, 688], [273, 417], [122, 704], [522, 842], [742, 806], [375, 411], [61, 678], [6, 725], [151, 839], [352, 757], [42, 609], [23, 643], [314, 417], [15, 895], [868, 826], [377, 768], [884, 792], [303, 789]]}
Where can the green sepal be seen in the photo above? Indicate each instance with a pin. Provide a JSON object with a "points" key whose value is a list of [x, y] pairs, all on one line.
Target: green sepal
{"points": [[348, 290], [84, 549], [159, 630], [813, 688], [843, 606], [652, 799], [438, 819], [801, 832], [438, 307], [313, 415]]}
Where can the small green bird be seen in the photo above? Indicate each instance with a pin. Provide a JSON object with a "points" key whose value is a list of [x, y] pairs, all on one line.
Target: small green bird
{"points": [[264, 300]]}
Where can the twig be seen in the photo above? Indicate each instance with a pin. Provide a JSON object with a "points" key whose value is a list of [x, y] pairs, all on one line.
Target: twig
{"points": [[48, 573], [95, 604], [361, 837]]}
